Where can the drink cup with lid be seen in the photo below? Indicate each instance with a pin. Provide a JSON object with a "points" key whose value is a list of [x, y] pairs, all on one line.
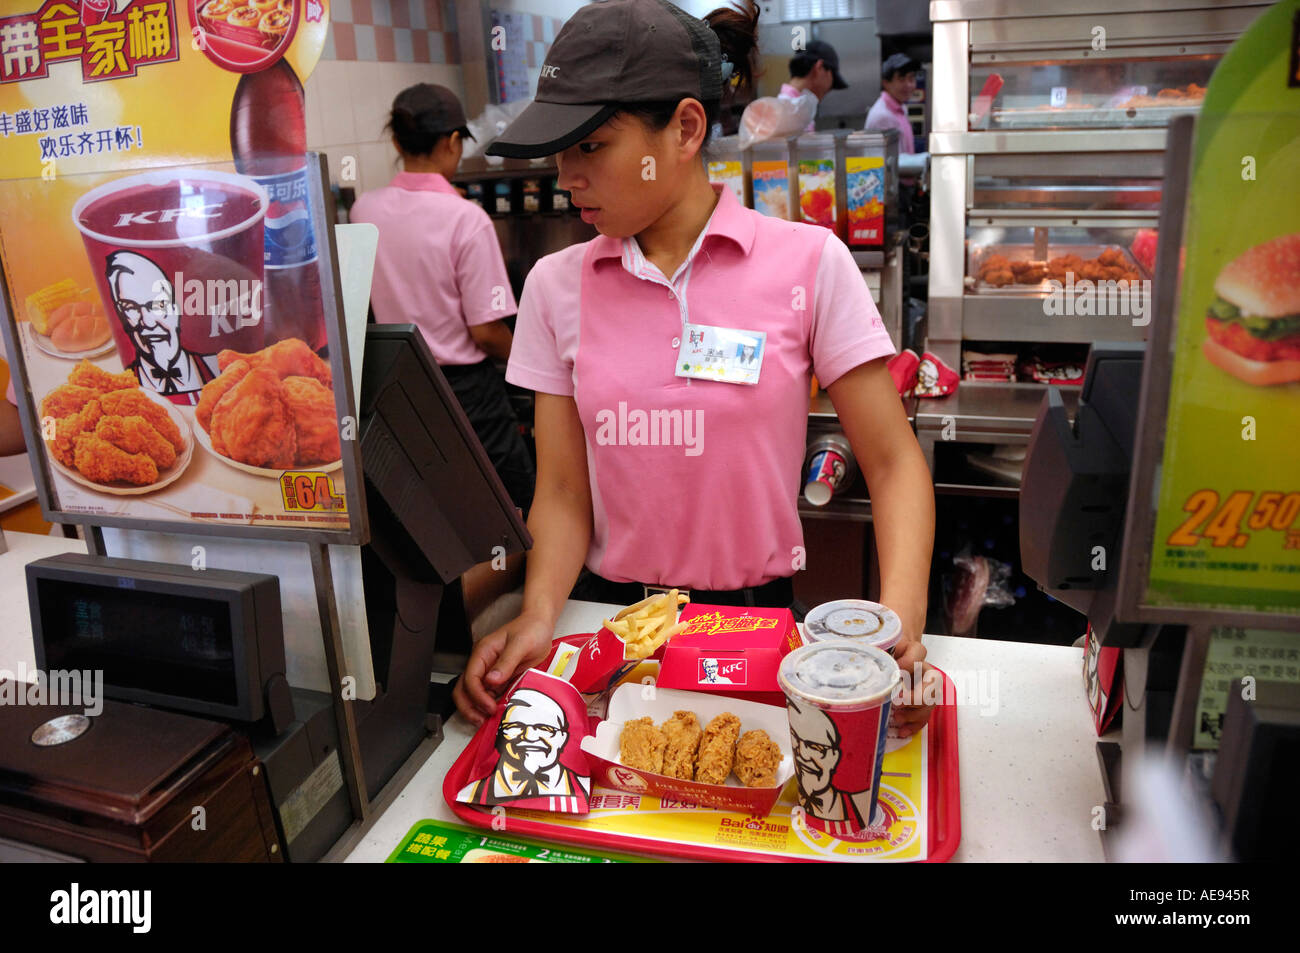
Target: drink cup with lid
{"points": [[838, 696], [854, 620]]}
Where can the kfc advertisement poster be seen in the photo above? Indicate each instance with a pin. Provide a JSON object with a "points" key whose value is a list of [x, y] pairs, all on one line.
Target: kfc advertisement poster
{"points": [[171, 303]]}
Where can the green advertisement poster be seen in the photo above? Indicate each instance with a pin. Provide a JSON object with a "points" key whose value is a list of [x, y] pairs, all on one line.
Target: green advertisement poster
{"points": [[433, 842], [1227, 532]]}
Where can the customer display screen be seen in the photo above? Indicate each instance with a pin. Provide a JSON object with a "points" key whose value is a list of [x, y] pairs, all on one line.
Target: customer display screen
{"points": [[140, 640]]}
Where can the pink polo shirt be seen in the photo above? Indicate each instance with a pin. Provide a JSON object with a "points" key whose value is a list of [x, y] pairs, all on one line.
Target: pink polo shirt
{"points": [[695, 482], [888, 113], [438, 266]]}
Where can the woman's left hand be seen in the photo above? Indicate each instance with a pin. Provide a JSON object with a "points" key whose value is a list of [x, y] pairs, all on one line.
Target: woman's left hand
{"points": [[920, 683]]}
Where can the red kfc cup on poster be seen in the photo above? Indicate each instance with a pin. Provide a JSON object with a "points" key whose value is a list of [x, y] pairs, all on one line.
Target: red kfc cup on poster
{"points": [[178, 260], [94, 11], [838, 696]]}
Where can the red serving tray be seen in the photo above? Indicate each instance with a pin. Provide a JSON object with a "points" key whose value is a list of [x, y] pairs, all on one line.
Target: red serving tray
{"points": [[944, 800]]}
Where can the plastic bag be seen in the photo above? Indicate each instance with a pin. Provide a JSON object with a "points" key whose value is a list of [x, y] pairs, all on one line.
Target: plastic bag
{"points": [[976, 582], [772, 117], [490, 124]]}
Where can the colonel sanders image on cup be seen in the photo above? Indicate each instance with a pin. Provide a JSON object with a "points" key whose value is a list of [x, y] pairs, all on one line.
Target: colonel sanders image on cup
{"points": [[145, 302], [838, 697], [532, 735], [177, 256]]}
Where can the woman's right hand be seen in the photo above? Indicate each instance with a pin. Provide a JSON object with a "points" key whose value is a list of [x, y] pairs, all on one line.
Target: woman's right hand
{"points": [[496, 660]]}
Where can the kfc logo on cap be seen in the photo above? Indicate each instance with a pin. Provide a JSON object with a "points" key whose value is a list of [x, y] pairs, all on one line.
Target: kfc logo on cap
{"points": [[550, 71], [715, 671]]}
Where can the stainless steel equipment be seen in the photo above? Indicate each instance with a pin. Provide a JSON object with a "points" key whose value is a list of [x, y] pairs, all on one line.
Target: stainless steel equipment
{"points": [[1048, 140]]}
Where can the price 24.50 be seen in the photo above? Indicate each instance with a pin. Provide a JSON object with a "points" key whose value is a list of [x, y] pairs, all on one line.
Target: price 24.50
{"points": [[1228, 523]]}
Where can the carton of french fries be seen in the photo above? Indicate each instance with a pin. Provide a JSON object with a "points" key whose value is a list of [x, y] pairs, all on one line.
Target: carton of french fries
{"points": [[634, 634]]}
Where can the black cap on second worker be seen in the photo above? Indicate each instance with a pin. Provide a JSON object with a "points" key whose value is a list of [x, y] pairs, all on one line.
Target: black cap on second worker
{"points": [[609, 54], [438, 106], [821, 50]]}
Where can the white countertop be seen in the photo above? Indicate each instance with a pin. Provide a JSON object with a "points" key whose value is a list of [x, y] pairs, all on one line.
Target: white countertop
{"points": [[15, 621], [1029, 771]]}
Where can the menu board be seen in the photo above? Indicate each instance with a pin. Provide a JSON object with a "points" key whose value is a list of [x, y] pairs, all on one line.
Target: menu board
{"points": [[1227, 520], [168, 274]]}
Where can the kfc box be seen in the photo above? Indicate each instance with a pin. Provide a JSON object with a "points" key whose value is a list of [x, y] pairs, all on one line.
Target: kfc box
{"points": [[632, 701], [730, 650]]}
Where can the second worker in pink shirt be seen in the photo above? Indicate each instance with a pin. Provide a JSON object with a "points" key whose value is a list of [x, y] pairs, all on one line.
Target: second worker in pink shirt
{"points": [[439, 267]]}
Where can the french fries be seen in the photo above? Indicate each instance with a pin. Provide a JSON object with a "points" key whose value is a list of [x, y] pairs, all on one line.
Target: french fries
{"points": [[648, 624]]}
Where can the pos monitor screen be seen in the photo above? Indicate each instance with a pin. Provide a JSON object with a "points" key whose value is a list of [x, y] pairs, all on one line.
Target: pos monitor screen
{"points": [[423, 460]]}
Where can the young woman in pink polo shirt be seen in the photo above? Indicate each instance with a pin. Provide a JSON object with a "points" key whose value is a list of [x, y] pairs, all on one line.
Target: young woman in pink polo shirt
{"points": [[664, 457], [439, 267]]}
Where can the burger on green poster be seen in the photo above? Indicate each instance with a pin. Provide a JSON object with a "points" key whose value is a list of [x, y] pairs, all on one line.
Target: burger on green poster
{"points": [[1254, 322]]}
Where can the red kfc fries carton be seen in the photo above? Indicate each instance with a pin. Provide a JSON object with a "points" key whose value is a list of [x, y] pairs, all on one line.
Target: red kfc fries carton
{"points": [[722, 755], [634, 634], [529, 754], [730, 650]]}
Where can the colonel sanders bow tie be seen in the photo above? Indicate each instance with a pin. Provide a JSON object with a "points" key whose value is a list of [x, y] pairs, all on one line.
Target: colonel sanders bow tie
{"points": [[532, 781]]}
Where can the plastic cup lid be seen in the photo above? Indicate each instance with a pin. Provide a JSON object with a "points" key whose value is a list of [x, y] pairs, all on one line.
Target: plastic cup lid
{"points": [[838, 674], [854, 620]]}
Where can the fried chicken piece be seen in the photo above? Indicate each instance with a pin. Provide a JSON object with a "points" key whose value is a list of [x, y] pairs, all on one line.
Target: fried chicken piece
{"points": [[641, 746], [252, 423], [216, 389], [136, 435], [1111, 257], [100, 461], [133, 403], [995, 262], [65, 400], [66, 431], [99, 380], [757, 758], [717, 749], [315, 421], [288, 358], [1000, 278], [682, 736]]}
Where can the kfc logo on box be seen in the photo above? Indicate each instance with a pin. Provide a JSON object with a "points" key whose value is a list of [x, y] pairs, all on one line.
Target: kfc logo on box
{"points": [[722, 671]]}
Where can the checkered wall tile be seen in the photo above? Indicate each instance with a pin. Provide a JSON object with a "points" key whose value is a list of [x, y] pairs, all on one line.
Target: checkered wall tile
{"points": [[392, 31]]}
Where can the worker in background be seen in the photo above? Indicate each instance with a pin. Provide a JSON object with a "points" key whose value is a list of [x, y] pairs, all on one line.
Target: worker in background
{"points": [[897, 84], [815, 69]]}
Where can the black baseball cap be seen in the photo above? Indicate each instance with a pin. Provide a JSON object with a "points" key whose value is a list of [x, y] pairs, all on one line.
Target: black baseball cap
{"points": [[607, 55], [821, 50], [437, 104]]}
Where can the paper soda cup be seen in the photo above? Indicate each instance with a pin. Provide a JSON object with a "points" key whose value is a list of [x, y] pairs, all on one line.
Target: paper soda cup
{"points": [[856, 621], [838, 696]]}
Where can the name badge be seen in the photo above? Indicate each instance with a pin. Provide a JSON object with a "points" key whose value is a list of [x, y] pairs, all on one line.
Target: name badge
{"points": [[730, 355]]}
